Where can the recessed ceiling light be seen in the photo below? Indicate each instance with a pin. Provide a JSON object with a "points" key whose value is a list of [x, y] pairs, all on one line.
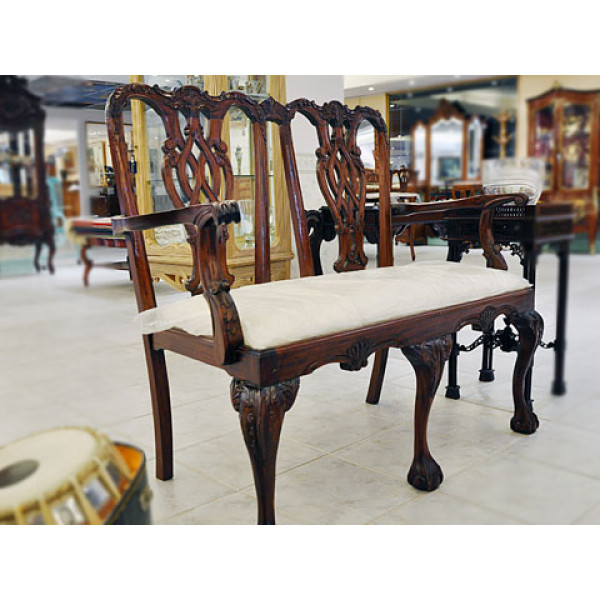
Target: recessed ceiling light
{"points": [[371, 88], [411, 82]]}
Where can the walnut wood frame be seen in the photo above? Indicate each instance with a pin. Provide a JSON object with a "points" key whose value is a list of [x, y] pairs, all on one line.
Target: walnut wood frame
{"points": [[265, 382]]}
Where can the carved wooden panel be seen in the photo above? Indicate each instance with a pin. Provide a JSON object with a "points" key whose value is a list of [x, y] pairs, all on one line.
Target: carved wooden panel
{"points": [[340, 172]]}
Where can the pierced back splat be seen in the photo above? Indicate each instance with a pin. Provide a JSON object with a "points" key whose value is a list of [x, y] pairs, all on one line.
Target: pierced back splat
{"points": [[341, 174], [195, 167]]}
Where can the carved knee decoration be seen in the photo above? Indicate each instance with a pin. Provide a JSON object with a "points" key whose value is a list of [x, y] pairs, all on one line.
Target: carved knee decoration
{"points": [[261, 417], [428, 361]]}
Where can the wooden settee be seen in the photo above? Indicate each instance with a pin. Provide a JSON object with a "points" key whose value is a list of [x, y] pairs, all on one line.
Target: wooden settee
{"points": [[267, 336]]}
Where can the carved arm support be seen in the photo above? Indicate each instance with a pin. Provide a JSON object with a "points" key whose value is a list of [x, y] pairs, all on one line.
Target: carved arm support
{"points": [[437, 211], [208, 221]]}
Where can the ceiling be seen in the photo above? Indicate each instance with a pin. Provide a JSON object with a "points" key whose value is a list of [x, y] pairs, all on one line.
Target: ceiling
{"points": [[359, 85], [75, 91], [91, 91]]}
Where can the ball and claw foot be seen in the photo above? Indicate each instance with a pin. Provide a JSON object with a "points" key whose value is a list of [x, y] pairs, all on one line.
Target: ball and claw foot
{"points": [[425, 474], [526, 422]]}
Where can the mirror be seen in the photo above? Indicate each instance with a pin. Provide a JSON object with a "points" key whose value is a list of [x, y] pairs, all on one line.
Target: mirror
{"points": [[420, 149], [475, 137], [446, 151], [365, 139]]}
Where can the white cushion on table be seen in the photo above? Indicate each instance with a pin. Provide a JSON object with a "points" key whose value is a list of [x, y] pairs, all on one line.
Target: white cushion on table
{"points": [[281, 312]]}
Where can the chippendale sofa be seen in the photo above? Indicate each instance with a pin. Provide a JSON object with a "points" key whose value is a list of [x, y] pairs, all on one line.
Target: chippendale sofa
{"points": [[268, 335]]}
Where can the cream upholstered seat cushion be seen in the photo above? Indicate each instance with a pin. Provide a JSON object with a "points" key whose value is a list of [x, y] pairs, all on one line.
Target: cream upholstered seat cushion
{"points": [[281, 312]]}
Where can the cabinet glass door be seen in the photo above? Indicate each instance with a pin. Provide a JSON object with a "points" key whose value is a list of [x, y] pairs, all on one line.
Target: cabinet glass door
{"points": [[155, 136], [241, 151], [420, 149], [575, 132], [17, 165], [543, 123]]}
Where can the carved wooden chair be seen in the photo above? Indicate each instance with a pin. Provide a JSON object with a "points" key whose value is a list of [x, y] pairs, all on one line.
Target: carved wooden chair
{"points": [[266, 336]]}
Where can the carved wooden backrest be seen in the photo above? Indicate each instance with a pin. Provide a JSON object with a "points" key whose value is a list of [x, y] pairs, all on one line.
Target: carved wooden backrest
{"points": [[195, 166], [341, 177]]}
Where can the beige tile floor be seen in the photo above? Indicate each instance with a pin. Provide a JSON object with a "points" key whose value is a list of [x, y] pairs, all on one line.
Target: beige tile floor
{"points": [[70, 355]]}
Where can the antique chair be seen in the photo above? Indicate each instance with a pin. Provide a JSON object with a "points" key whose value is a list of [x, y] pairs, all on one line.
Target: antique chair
{"points": [[266, 336]]}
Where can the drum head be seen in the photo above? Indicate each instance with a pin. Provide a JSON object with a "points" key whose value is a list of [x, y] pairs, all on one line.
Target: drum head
{"points": [[38, 464]]}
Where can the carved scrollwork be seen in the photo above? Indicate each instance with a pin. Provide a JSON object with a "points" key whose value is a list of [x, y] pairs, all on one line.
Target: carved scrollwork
{"points": [[430, 356], [265, 405], [281, 395], [357, 356], [340, 172], [261, 413]]}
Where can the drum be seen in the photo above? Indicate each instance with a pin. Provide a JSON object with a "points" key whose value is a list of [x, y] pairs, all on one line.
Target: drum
{"points": [[73, 476]]}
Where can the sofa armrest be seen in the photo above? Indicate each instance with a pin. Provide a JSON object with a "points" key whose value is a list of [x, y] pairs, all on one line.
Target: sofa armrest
{"points": [[437, 211], [205, 224]]}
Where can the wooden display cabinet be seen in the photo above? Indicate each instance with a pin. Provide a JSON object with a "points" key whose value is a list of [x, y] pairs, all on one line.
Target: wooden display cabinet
{"points": [[564, 130], [25, 212], [168, 252]]}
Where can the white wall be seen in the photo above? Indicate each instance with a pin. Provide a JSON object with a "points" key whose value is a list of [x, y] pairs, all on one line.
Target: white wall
{"points": [[321, 89], [74, 120]]}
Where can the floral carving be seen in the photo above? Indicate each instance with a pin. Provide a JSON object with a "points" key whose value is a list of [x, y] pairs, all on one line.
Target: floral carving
{"points": [[357, 356]]}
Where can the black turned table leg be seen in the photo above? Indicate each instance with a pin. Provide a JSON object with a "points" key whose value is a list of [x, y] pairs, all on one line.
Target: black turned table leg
{"points": [[560, 345], [486, 373], [455, 253], [453, 389]]}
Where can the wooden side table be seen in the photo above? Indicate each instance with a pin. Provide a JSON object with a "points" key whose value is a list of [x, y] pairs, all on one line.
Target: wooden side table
{"points": [[96, 232]]}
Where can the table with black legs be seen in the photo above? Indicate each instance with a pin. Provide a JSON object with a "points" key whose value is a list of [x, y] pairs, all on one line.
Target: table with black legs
{"points": [[522, 230]]}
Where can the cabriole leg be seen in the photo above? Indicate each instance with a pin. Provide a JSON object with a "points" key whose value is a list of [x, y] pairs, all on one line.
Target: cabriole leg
{"points": [[261, 417], [530, 326], [161, 409], [428, 361]]}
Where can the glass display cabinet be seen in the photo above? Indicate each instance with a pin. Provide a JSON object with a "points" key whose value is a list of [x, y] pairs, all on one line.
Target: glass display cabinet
{"points": [[25, 215], [169, 254], [564, 131]]}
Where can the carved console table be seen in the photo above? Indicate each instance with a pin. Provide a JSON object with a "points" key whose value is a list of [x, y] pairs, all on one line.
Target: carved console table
{"points": [[523, 230]]}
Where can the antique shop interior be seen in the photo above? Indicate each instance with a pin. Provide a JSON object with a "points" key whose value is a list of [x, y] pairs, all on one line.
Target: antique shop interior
{"points": [[84, 377]]}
